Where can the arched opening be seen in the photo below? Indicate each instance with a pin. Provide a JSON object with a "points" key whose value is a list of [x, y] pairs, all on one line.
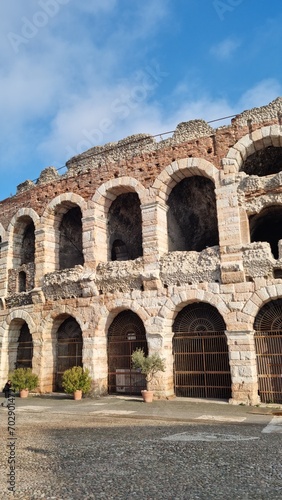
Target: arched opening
{"points": [[126, 333], [267, 226], [266, 161], [125, 227], [70, 246], [268, 343], [25, 348], [201, 361], [22, 282], [192, 217], [69, 348], [24, 242], [28, 244]]}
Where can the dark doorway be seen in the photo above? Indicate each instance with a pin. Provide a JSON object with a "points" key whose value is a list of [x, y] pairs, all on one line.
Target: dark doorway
{"points": [[69, 348], [25, 348], [126, 334]]}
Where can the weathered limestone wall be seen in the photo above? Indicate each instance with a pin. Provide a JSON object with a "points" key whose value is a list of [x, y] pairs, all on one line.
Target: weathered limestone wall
{"points": [[236, 276]]}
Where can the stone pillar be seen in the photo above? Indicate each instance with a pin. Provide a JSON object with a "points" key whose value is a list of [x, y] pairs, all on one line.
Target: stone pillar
{"points": [[229, 225], [48, 364], [155, 241], [4, 250], [243, 367], [94, 357], [87, 237], [3, 362]]}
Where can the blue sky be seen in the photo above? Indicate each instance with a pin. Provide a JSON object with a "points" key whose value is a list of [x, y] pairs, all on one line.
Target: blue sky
{"points": [[79, 73]]}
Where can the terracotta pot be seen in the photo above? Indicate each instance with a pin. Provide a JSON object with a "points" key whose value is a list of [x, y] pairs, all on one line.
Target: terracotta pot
{"points": [[147, 396], [24, 393], [77, 395]]}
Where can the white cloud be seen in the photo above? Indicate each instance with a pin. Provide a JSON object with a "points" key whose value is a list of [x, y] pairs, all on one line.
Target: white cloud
{"points": [[225, 49], [260, 94]]}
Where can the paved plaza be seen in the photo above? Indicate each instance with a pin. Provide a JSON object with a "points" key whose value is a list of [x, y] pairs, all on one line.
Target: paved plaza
{"points": [[121, 448]]}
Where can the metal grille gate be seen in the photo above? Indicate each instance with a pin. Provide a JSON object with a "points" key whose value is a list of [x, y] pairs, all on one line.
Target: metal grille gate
{"points": [[69, 349], [201, 365], [269, 365], [126, 334], [268, 343], [201, 361]]}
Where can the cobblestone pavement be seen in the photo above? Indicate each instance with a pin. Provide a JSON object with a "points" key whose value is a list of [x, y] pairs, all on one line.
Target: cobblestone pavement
{"points": [[93, 450]]}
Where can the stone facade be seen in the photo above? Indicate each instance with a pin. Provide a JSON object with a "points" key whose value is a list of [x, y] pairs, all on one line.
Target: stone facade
{"points": [[150, 229]]}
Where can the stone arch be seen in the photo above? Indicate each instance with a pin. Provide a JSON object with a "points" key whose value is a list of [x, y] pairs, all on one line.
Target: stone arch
{"points": [[104, 236], [201, 360], [175, 304], [258, 299], [10, 331], [189, 225], [64, 217], [179, 170], [262, 138], [126, 333], [26, 219]]}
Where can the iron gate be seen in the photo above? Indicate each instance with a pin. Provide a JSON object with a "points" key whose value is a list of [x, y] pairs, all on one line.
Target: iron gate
{"points": [[269, 365], [69, 348], [201, 365], [122, 377], [126, 334]]}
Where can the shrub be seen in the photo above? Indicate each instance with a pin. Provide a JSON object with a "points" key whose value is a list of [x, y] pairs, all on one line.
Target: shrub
{"points": [[23, 378], [149, 365], [76, 378]]}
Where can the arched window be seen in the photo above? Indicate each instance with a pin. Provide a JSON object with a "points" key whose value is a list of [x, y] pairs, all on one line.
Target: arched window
{"points": [[125, 227], [28, 244], [192, 217], [70, 230]]}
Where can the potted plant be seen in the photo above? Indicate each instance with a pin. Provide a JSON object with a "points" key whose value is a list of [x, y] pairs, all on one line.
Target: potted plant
{"points": [[149, 366], [76, 380], [23, 381]]}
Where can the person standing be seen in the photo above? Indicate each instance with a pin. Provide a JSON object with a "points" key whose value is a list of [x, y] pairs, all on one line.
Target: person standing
{"points": [[7, 392]]}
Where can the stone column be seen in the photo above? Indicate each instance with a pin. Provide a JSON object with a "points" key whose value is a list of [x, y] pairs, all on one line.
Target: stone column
{"points": [[229, 225], [94, 357], [243, 367], [155, 241]]}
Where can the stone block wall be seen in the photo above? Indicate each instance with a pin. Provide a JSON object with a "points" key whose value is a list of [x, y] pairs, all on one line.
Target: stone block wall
{"points": [[237, 276]]}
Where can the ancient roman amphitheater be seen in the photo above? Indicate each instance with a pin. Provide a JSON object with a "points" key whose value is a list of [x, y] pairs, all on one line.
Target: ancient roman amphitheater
{"points": [[174, 246]]}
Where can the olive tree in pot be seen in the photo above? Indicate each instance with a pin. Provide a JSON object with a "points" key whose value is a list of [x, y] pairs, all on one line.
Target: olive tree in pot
{"points": [[23, 381], [76, 380], [149, 366]]}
